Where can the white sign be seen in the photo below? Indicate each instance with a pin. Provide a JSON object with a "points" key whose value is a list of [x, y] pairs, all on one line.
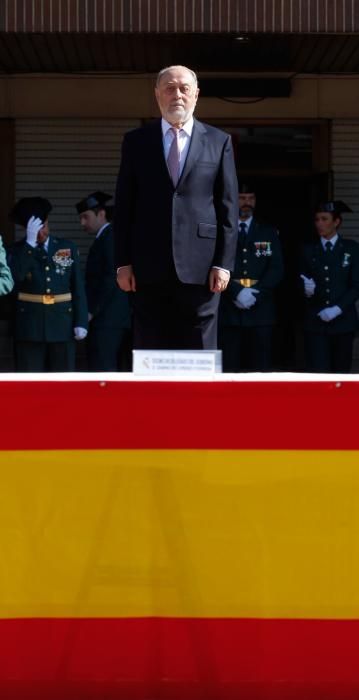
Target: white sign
{"points": [[177, 362]]}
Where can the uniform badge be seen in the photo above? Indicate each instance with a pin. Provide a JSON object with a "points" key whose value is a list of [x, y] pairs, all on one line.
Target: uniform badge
{"points": [[63, 260], [346, 260]]}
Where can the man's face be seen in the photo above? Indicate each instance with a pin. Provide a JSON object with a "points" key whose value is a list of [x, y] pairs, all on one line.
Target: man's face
{"points": [[92, 222], [177, 96], [247, 203], [43, 234], [325, 224]]}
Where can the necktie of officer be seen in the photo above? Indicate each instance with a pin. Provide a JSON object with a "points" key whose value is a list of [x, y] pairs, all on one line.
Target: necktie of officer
{"points": [[328, 247], [173, 158], [242, 233], [243, 228]]}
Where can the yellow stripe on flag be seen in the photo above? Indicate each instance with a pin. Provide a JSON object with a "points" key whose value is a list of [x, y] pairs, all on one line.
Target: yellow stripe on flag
{"points": [[187, 533]]}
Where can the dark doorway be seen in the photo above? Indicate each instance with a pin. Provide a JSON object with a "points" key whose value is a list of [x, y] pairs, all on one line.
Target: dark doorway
{"points": [[288, 165], [288, 203]]}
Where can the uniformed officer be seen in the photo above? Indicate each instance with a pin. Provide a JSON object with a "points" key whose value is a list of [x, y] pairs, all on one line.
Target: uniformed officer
{"points": [[247, 310], [330, 274], [51, 309], [108, 343], [6, 280]]}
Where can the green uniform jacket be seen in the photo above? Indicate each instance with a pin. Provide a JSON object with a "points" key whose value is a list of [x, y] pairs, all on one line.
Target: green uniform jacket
{"points": [[108, 304], [258, 256], [6, 280], [56, 271], [336, 275]]}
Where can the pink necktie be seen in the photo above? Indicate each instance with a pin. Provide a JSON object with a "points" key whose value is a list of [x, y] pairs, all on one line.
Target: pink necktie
{"points": [[173, 159]]}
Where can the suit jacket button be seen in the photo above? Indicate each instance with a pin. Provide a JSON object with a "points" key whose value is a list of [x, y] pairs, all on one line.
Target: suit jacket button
{"points": [[244, 272], [244, 250], [326, 267]]}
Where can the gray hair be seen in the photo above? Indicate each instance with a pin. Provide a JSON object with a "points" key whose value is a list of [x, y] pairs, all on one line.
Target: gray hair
{"points": [[165, 70]]}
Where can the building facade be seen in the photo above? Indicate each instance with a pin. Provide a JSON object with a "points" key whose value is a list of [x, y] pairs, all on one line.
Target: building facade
{"points": [[282, 76]]}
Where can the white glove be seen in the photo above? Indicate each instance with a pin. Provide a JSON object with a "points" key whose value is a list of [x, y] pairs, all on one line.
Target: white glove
{"points": [[309, 286], [330, 313], [32, 229], [80, 333], [246, 298]]}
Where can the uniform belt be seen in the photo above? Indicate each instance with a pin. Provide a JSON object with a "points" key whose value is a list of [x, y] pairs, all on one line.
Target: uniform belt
{"points": [[44, 298], [246, 282]]}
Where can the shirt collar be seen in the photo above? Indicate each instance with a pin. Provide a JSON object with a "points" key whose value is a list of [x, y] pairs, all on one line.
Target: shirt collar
{"points": [[187, 127], [331, 240], [247, 222], [98, 234]]}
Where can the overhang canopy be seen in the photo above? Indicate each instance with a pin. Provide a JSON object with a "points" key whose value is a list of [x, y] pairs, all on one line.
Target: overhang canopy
{"points": [[187, 16], [296, 36], [147, 53]]}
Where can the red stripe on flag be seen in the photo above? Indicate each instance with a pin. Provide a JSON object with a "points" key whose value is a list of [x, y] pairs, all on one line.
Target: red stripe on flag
{"points": [[170, 658], [162, 415]]}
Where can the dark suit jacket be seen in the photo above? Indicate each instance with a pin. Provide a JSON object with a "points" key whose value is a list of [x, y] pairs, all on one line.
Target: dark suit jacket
{"points": [[36, 272], [192, 226], [108, 304], [254, 262], [336, 275]]}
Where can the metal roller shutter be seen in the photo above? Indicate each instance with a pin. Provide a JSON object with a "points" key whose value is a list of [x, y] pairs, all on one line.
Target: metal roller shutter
{"points": [[345, 163], [64, 160]]}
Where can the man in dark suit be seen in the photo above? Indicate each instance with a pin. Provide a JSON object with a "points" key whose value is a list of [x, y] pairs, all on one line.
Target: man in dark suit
{"points": [[51, 309], [175, 223], [247, 311], [108, 342], [330, 275]]}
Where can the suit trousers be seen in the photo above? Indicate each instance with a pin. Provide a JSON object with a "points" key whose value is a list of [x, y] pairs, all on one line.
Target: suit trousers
{"points": [[328, 353], [108, 349], [246, 348], [34, 356], [173, 315]]}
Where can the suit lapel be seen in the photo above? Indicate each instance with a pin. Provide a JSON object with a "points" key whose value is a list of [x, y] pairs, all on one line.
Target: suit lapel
{"points": [[195, 149], [157, 154]]}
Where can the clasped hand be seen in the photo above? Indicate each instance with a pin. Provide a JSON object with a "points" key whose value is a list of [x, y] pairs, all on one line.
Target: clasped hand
{"points": [[330, 313], [246, 298]]}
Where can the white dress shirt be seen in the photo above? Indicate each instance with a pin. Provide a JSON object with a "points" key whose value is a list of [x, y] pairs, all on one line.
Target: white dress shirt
{"points": [[333, 241], [247, 223], [98, 234]]}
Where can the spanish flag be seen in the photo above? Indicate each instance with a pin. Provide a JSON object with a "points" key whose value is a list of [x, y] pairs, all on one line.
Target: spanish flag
{"points": [[179, 540]]}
